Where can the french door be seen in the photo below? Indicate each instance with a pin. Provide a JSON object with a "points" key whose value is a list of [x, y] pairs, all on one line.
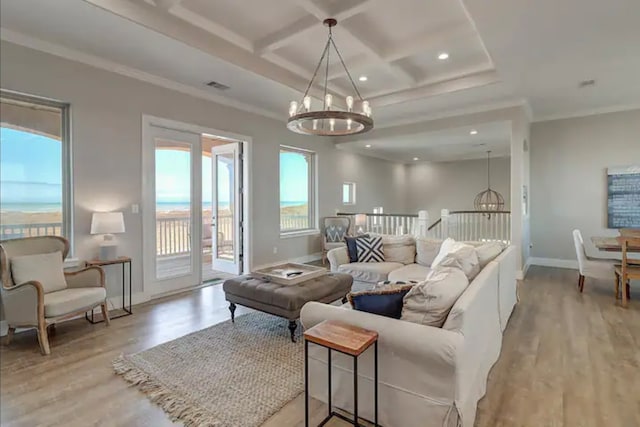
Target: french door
{"points": [[226, 166], [172, 214]]}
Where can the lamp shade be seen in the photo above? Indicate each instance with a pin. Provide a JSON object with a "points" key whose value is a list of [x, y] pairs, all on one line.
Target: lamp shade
{"points": [[107, 223], [361, 219]]}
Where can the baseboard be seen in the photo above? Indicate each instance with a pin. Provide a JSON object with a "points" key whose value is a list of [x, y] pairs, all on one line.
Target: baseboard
{"points": [[299, 260], [554, 262]]}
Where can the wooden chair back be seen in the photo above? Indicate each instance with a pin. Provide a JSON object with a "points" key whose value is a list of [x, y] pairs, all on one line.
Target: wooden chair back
{"points": [[630, 270]]}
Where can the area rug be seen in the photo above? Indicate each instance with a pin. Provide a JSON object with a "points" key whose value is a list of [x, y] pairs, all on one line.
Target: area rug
{"points": [[229, 375]]}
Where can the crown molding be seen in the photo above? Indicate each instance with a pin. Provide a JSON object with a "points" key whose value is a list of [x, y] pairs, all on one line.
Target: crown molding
{"points": [[459, 112], [114, 67], [588, 112]]}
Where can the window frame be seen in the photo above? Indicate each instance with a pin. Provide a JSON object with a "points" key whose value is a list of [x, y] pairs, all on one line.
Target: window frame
{"points": [[352, 193], [66, 155], [312, 192]]}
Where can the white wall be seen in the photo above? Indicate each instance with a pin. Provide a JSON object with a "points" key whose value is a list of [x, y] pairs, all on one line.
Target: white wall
{"points": [[569, 161], [454, 185], [107, 109]]}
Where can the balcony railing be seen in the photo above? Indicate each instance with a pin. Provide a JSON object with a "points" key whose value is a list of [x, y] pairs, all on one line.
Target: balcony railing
{"points": [[16, 231], [383, 223]]}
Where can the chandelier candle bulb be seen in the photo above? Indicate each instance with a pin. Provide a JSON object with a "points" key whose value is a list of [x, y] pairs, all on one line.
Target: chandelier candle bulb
{"points": [[328, 99], [307, 103], [366, 110], [332, 124], [315, 124], [349, 103], [293, 108], [349, 124]]}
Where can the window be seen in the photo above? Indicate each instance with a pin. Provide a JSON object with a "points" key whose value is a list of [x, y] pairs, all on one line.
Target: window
{"points": [[35, 196], [297, 190], [349, 193]]}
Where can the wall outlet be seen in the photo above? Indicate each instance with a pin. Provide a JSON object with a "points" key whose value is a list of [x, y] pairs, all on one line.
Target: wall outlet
{"points": [[275, 249], [135, 208]]}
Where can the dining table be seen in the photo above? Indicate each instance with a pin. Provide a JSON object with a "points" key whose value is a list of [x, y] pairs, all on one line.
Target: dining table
{"points": [[611, 244]]}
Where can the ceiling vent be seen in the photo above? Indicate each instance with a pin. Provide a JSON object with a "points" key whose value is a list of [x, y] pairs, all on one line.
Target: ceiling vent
{"points": [[217, 85], [586, 83]]}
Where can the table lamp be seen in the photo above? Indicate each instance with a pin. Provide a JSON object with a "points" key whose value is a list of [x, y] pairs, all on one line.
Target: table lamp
{"points": [[361, 221], [107, 223]]}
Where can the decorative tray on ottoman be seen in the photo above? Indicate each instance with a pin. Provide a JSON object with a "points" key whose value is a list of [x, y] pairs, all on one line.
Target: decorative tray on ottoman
{"points": [[290, 273]]}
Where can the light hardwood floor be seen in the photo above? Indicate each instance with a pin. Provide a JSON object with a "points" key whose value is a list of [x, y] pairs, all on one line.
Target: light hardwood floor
{"points": [[568, 359]]}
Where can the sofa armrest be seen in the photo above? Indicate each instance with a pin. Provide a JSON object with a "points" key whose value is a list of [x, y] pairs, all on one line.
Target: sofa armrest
{"points": [[86, 278], [432, 349], [23, 303], [338, 257]]}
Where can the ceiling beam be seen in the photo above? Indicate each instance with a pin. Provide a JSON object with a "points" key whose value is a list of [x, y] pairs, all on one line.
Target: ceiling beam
{"points": [[287, 34], [166, 4], [322, 14]]}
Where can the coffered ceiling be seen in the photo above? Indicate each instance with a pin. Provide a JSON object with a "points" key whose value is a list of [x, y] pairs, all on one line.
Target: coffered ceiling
{"points": [[501, 52]]}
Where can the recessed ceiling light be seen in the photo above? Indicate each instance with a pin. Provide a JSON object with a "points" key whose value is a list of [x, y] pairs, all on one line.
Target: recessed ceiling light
{"points": [[443, 55], [473, 132], [368, 146], [415, 158], [363, 78]]}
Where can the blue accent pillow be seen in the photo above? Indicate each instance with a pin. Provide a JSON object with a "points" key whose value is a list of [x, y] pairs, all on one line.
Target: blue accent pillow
{"points": [[352, 247], [383, 301]]}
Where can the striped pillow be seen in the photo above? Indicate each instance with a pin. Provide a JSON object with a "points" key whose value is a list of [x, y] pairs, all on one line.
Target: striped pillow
{"points": [[370, 249]]}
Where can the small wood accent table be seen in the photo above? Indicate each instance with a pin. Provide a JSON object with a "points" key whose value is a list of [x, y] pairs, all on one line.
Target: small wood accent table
{"points": [[124, 260], [345, 339]]}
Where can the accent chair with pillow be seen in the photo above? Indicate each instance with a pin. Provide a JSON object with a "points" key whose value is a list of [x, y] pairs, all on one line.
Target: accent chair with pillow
{"points": [[336, 228], [37, 292]]}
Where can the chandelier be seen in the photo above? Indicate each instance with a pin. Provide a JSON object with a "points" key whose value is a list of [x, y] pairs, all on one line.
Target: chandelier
{"points": [[489, 200], [329, 121]]}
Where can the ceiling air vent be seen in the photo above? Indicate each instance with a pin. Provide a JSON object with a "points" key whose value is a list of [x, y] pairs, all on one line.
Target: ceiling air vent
{"points": [[217, 85]]}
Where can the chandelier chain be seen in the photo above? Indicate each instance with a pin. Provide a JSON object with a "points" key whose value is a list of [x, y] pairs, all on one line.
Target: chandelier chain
{"points": [[326, 75], [489, 170], [315, 73], [346, 69]]}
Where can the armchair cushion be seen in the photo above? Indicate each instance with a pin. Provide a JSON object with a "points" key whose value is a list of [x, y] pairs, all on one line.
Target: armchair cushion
{"points": [[67, 301], [46, 268]]}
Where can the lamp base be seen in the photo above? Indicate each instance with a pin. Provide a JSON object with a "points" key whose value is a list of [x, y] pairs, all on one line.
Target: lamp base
{"points": [[108, 252]]}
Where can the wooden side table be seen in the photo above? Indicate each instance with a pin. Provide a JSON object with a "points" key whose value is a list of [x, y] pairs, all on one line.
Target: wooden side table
{"points": [[126, 311], [345, 339]]}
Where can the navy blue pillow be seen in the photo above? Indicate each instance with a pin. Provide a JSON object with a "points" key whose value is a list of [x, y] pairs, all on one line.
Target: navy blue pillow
{"points": [[352, 248], [384, 302]]}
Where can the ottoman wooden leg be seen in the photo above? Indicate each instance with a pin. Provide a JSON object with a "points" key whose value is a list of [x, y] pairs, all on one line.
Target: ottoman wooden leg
{"points": [[232, 309], [292, 328]]}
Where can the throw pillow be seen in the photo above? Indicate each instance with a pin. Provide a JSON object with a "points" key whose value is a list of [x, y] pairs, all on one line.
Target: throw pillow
{"points": [[400, 249], [352, 249], [463, 257], [48, 269], [487, 252], [427, 250], [370, 249], [429, 302], [446, 247], [384, 301]]}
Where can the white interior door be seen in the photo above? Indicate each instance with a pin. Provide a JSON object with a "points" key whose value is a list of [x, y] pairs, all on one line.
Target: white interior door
{"points": [[227, 207], [172, 209]]}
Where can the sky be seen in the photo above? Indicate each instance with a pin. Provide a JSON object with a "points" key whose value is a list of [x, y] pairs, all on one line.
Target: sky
{"points": [[31, 172]]}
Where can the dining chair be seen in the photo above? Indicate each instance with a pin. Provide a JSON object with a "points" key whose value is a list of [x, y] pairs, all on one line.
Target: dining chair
{"points": [[595, 268], [627, 270]]}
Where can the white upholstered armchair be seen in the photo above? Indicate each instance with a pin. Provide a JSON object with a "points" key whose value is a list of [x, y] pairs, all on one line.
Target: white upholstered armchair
{"points": [[36, 292]]}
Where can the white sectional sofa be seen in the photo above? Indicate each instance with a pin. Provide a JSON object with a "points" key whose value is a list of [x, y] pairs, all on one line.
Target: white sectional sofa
{"points": [[429, 376]]}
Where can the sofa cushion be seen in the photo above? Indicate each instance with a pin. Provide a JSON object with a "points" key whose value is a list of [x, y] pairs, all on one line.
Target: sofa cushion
{"points": [[370, 249], [447, 246], [399, 248], [427, 250], [352, 249], [487, 252], [48, 269], [429, 302], [372, 272], [383, 300], [409, 272], [69, 300], [463, 257]]}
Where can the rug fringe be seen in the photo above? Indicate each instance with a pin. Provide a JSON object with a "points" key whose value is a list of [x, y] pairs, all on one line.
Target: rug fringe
{"points": [[175, 406]]}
